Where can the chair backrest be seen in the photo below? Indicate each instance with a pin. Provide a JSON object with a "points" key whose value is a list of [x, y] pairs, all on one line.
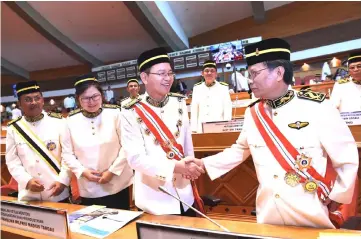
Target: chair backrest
{"points": [[12, 186], [347, 210]]}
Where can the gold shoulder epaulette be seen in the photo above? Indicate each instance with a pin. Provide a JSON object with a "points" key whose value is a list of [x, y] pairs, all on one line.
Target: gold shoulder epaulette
{"points": [[198, 83], [223, 83], [111, 106], [343, 81], [253, 103], [55, 115], [74, 112], [311, 95], [124, 99], [14, 120], [176, 95], [131, 103]]}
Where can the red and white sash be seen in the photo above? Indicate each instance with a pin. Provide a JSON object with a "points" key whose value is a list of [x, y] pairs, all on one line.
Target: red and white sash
{"points": [[285, 153], [166, 140]]}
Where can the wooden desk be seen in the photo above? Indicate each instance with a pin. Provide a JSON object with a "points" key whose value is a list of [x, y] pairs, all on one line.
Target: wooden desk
{"points": [[237, 197], [129, 231]]}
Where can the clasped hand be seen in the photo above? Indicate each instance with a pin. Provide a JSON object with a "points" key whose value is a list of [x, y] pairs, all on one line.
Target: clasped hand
{"points": [[96, 176], [191, 168]]}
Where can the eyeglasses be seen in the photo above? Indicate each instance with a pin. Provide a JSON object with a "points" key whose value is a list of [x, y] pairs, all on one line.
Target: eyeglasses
{"points": [[93, 98], [163, 74], [30, 99], [209, 71], [254, 74], [354, 68]]}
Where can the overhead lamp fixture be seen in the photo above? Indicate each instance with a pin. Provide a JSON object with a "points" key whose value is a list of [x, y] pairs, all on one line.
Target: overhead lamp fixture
{"points": [[52, 102], [305, 67], [335, 62]]}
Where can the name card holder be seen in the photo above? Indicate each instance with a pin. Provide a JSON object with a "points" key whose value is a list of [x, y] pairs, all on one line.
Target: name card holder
{"points": [[223, 126], [352, 118], [43, 220]]}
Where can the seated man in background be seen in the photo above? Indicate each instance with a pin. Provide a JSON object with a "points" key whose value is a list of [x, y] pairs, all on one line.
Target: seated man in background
{"points": [[133, 88], [239, 81], [210, 99], [69, 103], [292, 137], [181, 87], [346, 93], [33, 150], [15, 112]]}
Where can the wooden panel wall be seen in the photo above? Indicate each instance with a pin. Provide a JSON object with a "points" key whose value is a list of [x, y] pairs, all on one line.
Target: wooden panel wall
{"points": [[287, 20]]}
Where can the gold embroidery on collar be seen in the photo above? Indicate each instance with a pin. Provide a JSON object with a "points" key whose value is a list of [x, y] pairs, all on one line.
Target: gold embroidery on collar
{"points": [[357, 82], [282, 100], [211, 84], [157, 103], [34, 119], [91, 114]]}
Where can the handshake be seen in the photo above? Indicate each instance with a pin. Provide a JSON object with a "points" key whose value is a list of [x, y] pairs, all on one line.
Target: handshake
{"points": [[190, 168]]}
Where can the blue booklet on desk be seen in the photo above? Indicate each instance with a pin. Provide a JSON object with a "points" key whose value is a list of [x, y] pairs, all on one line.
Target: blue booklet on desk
{"points": [[99, 221]]}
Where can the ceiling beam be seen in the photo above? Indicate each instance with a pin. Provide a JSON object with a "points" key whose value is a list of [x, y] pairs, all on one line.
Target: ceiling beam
{"points": [[159, 21], [14, 69], [145, 23], [47, 30], [259, 14], [293, 18], [60, 73]]}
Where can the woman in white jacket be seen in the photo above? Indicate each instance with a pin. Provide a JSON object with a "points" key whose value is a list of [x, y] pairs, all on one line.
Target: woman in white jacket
{"points": [[92, 148]]}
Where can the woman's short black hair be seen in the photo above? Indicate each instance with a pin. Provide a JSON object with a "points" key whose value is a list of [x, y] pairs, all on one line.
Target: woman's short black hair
{"points": [[83, 86]]}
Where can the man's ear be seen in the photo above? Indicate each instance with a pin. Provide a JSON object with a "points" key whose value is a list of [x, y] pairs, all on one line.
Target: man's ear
{"points": [[144, 78], [280, 71], [18, 103]]}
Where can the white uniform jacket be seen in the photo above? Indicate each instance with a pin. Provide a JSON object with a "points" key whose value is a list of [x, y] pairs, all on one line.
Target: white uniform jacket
{"points": [[24, 163], [346, 95], [210, 104], [326, 134], [94, 143], [152, 167], [127, 100]]}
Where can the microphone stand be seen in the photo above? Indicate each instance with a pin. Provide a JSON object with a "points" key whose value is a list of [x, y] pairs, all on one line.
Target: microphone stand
{"points": [[164, 190]]}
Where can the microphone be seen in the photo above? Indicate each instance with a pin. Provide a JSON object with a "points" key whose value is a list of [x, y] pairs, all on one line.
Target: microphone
{"points": [[164, 190], [235, 108]]}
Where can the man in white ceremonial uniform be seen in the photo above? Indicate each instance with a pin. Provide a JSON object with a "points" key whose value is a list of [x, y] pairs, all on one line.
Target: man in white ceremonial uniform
{"points": [[33, 149], [346, 93], [133, 88], [292, 137], [210, 99], [156, 137]]}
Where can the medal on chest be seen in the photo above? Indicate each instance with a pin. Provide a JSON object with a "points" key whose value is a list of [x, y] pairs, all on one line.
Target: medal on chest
{"points": [[51, 146], [292, 179]]}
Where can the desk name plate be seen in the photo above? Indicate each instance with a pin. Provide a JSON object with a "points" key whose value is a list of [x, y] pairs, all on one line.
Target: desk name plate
{"points": [[43, 220], [352, 118], [234, 125]]}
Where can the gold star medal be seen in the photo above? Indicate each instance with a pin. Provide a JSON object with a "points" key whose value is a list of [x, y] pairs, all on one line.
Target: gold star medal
{"points": [[292, 179], [303, 161]]}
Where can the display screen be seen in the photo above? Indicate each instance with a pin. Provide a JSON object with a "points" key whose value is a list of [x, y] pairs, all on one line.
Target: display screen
{"points": [[14, 90], [226, 52]]}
